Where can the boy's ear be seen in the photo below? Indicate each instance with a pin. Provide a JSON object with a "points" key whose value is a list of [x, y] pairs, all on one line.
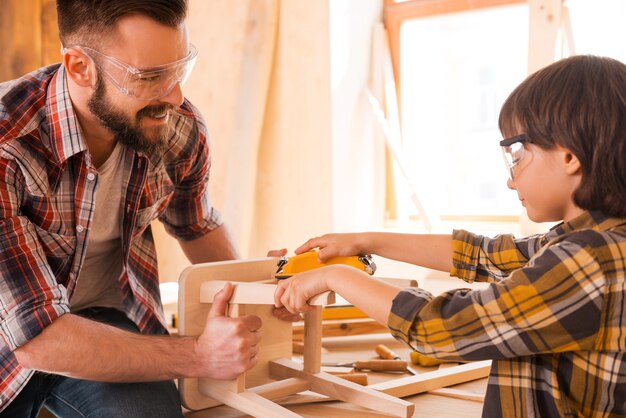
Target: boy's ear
{"points": [[571, 162], [79, 67]]}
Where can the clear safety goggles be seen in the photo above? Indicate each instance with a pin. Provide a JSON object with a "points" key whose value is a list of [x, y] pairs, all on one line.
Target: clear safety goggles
{"points": [[145, 84], [513, 151]]}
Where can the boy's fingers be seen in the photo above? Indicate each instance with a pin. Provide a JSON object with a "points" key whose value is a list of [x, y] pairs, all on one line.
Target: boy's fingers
{"points": [[277, 295], [307, 246], [252, 322]]}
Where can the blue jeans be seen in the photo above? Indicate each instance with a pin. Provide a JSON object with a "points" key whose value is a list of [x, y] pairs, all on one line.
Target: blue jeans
{"points": [[68, 398]]}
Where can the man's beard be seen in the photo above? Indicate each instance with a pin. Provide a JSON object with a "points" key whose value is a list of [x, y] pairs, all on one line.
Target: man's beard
{"points": [[124, 130]]}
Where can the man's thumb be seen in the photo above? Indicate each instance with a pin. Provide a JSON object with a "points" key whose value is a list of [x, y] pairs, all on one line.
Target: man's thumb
{"points": [[220, 301]]}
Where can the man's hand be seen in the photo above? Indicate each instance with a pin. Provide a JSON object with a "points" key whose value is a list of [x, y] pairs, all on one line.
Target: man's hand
{"points": [[228, 346], [277, 253]]}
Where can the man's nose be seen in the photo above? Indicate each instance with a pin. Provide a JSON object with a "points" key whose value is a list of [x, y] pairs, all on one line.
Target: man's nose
{"points": [[175, 97]]}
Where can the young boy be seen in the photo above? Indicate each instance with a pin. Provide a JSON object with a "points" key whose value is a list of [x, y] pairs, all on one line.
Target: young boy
{"points": [[553, 318]]}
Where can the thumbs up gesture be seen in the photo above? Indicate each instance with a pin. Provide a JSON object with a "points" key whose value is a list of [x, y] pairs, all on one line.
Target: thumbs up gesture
{"points": [[228, 346]]}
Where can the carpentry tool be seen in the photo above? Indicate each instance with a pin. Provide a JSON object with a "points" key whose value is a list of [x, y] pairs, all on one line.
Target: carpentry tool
{"points": [[359, 378], [288, 266], [386, 353], [373, 365]]}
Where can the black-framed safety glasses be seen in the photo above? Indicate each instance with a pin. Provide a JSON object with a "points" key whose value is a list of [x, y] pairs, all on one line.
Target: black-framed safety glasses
{"points": [[513, 151]]}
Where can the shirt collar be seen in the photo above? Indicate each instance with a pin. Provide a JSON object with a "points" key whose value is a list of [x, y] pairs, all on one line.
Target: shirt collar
{"points": [[595, 220], [66, 138]]}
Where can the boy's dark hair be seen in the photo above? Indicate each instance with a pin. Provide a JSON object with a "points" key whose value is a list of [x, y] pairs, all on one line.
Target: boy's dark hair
{"points": [[578, 103], [85, 22]]}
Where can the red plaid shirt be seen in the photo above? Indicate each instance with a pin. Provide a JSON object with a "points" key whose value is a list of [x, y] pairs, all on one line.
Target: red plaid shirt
{"points": [[47, 198]]}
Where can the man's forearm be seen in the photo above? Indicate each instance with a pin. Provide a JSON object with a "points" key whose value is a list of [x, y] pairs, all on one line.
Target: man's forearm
{"points": [[217, 245], [80, 348]]}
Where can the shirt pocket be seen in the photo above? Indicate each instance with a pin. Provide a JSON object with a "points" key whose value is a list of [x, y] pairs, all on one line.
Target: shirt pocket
{"points": [[148, 214], [58, 248]]}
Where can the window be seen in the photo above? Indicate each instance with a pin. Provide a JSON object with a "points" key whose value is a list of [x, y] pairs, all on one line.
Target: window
{"points": [[457, 71], [456, 63]]}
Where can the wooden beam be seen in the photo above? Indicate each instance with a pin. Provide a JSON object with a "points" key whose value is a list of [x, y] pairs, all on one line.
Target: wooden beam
{"points": [[254, 293], [459, 394], [338, 388], [341, 328], [423, 8], [543, 31], [434, 380]]}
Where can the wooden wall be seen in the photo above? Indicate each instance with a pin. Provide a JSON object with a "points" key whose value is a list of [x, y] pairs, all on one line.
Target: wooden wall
{"points": [[28, 35]]}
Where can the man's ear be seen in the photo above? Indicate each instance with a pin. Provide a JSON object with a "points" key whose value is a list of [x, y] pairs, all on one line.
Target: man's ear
{"points": [[79, 67], [571, 162]]}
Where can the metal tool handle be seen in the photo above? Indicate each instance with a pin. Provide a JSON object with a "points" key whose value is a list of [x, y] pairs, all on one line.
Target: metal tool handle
{"points": [[381, 365]]}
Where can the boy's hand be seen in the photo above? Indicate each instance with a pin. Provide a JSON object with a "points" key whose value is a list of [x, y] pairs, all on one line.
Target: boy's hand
{"points": [[335, 245], [283, 314], [294, 292]]}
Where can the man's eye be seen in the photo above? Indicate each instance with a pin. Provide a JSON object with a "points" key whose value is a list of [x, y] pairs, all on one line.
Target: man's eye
{"points": [[149, 78]]}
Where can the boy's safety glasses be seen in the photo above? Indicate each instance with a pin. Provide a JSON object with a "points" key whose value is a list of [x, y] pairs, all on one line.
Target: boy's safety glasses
{"points": [[513, 151], [144, 84]]}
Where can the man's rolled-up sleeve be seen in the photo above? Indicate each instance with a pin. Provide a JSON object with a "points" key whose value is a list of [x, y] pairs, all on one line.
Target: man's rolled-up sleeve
{"points": [[190, 213], [30, 296]]}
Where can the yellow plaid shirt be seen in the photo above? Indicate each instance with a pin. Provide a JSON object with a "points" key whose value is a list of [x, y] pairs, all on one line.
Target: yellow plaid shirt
{"points": [[553, 318]]}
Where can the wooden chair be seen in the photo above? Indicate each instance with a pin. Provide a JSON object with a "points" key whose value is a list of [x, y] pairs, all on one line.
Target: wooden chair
{"points": [[276, 374]]}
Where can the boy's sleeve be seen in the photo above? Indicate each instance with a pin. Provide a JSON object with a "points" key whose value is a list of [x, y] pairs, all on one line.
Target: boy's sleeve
{"points": [[553, 304], [30, 297], [479, 258], [190, 213]]}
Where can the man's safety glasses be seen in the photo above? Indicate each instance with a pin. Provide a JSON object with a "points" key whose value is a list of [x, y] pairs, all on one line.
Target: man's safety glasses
{"points": [[144, 84], [513, 151]]}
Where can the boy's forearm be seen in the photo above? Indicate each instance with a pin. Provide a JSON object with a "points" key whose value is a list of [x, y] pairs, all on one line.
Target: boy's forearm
{"points": [[81, 348], [372, 296], [427, 250]]}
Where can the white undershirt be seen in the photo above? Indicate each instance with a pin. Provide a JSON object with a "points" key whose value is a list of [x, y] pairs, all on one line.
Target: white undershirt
{"points": [[97, 283]]}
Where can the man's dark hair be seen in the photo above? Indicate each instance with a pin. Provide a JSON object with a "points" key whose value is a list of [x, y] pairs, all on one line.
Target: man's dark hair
{"points": [[85, 21], [578, 103]]}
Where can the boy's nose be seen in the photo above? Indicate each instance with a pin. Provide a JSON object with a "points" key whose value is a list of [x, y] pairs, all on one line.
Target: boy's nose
{"points": [[510, 184]]}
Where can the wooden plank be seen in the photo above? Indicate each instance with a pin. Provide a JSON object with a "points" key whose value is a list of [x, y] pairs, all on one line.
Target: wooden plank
{"points": [[248, 402], [50, 44], [434, 380], [281, 388], [459, 394], [423, 8], [20, 37], [254, 293], [543, 31], [341, 328], [346, 391]]}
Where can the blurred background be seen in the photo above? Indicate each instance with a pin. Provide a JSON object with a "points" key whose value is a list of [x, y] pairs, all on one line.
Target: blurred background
{"points": [[354, 115]]}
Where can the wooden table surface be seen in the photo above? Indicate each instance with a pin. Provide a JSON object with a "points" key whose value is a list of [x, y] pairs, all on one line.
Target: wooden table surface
{"points": [[347, 349]]}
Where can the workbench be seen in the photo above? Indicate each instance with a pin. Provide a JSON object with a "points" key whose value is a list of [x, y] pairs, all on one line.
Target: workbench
{"points": [[348, 349]]}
